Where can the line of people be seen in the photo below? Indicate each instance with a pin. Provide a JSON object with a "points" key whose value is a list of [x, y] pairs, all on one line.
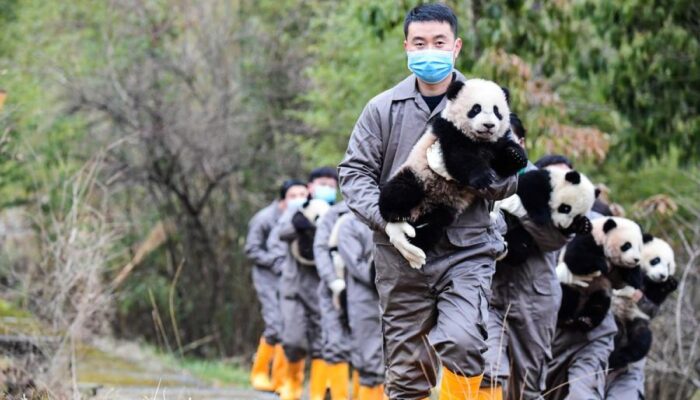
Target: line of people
{"points": [[346, 288], [313, 272]]}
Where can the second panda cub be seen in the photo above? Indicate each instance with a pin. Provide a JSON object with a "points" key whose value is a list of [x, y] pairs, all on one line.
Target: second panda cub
{"points": [[463, 150], [547, 196]]}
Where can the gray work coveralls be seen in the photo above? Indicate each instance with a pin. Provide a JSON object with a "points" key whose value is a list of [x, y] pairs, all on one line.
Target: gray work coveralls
{"points": [[626, 383], [299, 306], [581, 358], [443, 307], [526, 297], [356, 248], [335, 335], [265, 272]]}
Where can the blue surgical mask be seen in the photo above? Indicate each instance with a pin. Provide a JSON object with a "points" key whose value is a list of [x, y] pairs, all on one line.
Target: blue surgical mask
{"points": [[431, 66], [325, 193], [295, 204]]}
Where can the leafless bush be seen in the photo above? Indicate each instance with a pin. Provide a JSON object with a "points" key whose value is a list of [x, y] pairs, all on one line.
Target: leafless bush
{"points": [[65, 287]]}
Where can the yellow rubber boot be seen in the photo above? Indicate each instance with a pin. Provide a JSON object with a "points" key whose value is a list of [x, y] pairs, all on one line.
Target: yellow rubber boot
{"points": [[279, 366], [355, 384], [338, 378], [260, 374], [318, 382], [457, 387], [491, 393], [293, 382], [371, 392]]}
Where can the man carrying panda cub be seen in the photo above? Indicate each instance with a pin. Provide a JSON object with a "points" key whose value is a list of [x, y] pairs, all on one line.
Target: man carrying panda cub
{"points": [[434, 299]]}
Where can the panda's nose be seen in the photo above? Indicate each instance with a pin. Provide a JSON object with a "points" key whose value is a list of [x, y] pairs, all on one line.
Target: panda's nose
{"points": [[489, 126], [636, 259], [663, 277]]}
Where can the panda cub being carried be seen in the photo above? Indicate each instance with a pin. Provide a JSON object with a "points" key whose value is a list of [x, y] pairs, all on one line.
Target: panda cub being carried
{"points": [[584, 266], [463, 150]]}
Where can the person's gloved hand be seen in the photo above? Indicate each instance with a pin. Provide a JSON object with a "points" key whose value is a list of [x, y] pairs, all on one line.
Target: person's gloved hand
{"points": [[580, 225], [337, 287], [629, 292], [300, 222], [398, 233], [338, 263], [512, 205], [566, 277]]}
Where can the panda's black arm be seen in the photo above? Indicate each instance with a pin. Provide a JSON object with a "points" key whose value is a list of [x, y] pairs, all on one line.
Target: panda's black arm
{"points": [[401, 194], [658, 292], [595, 308], [464, 163], [509, 157], [639, 339]]}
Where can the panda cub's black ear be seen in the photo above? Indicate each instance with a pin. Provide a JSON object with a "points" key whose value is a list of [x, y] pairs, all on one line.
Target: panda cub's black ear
{"points": [[647, 237], [573, 177], [609, 225], [597, 192], [507, 93], [454, 89]]}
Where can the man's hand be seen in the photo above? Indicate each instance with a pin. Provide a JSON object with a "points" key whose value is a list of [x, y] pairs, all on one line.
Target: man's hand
{"points": [[629, 292], [566, 277], [398, 233]]}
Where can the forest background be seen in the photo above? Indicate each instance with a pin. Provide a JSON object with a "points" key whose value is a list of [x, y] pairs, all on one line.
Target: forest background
{"points": [[138, 137]]}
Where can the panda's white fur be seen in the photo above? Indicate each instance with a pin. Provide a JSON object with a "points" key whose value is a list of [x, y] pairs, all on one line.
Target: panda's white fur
{"points": [[485, 125], [578, 197], [622, 245], [658, 261]]}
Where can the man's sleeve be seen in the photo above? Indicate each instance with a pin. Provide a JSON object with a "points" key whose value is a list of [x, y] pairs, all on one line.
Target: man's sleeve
{"points": [[360, 170], [285, 228], [276, 249], [350, 248], [255, 244], [547, 237], [500, 189], [322, 255]]}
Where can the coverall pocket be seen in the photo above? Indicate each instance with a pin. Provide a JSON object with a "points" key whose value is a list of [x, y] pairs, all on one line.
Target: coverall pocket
{"points": [[542, 286], [467, 236]]}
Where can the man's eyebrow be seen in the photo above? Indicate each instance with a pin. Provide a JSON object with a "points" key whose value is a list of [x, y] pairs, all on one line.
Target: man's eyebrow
{"points": [[417, 38]]}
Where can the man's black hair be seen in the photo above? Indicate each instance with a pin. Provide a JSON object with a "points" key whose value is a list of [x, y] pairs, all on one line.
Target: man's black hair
{"points": [[430, 12], [323, 172], [288, 184], [551, 159], [516, 125]]}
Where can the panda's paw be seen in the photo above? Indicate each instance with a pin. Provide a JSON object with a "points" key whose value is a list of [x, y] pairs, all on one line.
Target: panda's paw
{"points": [[517, 156], [669, 286], [580, 225], [480, 180]]}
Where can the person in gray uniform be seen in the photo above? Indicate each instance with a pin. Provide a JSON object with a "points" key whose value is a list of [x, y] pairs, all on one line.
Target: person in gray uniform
{"points": [[356, 249], [626, 383], [523, 312], [439, 309], [335, 331], [299, 302], [266, 277], [580, 359]]}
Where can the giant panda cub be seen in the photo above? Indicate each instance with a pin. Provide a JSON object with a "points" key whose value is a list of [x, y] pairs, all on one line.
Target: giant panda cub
{"points": [[612, 243], [634, 337], [550, 196], [304, 221], [471, 145]]}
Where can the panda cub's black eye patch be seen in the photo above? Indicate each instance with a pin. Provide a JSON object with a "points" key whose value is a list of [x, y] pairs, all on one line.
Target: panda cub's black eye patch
{"points": [[476, 109], [655, 261], [626, 246], [564, 209], [498, 114]]}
